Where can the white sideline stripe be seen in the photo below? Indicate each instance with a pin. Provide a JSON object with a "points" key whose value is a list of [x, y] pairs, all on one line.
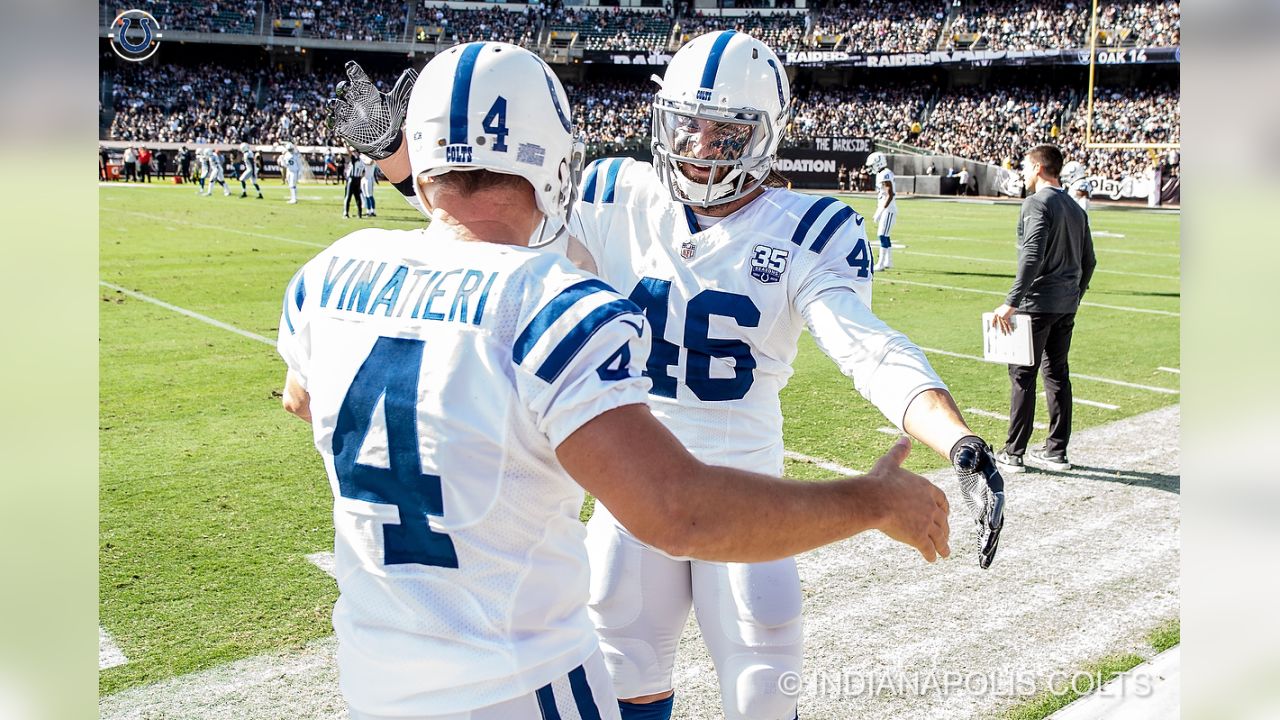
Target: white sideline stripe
{"points": [[219, 228], [259, 338], [889, 431], [1074, 375], [819, 462], [1104, 233], [188, 313], [325, 561], [1092, 403], [998, 261], [109, 654], [1121, 308], [1150, 690], [1009, 244], [998, 416], [1175, 371]]}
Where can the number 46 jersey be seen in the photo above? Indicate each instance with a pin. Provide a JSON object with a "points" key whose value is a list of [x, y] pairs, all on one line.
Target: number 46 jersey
{"points": [[727, 304], [442, 374]]}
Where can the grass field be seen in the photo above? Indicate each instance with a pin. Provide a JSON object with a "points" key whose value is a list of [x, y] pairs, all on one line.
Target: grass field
{"points": [[211, 496]]}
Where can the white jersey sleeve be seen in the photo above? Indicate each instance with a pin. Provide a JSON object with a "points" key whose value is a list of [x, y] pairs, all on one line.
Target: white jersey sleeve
{"points": [[835, 300], [578, 341], [606, 184]]}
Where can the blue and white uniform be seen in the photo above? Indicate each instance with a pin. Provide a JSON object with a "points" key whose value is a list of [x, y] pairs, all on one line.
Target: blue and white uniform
{"points": [[442, 375], [885, 213], [727, 303], [1080, 191]]}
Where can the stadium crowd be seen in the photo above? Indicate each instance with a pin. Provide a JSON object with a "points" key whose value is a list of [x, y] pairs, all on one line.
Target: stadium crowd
{"points": [[613, 28], [1147, 24], [229, 16], [218, 104], [894, 26], [784, 32], [459, 26], [888, 113], [1020, 24], [368, 21]]}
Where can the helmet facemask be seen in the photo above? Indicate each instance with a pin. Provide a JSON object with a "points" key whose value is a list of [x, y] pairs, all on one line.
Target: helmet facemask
{"points": [[730, 146]]}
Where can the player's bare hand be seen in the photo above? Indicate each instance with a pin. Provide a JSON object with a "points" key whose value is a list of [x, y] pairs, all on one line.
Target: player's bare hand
{"points": [[916, 510], [1001, 318]]}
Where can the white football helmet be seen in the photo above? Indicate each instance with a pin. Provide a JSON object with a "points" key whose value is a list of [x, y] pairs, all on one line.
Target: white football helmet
{"points": [[288, 147], [244, 148], [498, 107], [877, 161], [1072, 172], [721, 110]]}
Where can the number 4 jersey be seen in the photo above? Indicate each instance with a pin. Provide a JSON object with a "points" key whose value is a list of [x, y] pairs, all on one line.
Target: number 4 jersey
{"points": [[442, 374], [727, 304]]}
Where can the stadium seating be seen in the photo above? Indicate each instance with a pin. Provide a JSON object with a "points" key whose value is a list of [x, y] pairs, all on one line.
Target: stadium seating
{"points": [[611, 29]]}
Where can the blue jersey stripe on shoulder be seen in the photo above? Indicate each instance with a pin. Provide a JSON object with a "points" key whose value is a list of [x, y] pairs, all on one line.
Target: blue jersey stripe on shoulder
{"points": [[589, 187], [300, 292], [611, 179], [547, 703], [840, 218], [573, 340], [694, 229], [583, 698], [552, 312], [810, 218]]}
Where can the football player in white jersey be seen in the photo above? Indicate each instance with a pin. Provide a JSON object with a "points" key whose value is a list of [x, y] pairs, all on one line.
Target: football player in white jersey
{"points": [[202, 155], [459, 383], [370, 181], [217, 172], [250, 172], [291, 161], [886, 207], [1075, 180]]}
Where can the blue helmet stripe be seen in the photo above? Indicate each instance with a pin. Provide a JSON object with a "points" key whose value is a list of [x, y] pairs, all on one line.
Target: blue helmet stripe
{"points": [[458, 105], [555, 99], [713, 59]]}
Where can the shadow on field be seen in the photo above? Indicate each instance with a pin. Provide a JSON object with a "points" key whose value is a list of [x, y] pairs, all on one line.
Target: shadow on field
{"points": [[1140, 293], [1006, 276], [1156, 481]]}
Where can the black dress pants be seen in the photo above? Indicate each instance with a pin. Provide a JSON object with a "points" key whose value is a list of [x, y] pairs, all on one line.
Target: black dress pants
{"points": [[1050, 343]]}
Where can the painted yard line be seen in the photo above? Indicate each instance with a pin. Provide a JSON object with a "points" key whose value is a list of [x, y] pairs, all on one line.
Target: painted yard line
{"points": [[819, 462], [109, 654], [1074, 375], [189, 313], [953, 288], [325, 561], [1010, 244], [889, 431], [1093, 403], [935, 351], [1175, 371], [218, 228], [998, 416], [1014, 262]]}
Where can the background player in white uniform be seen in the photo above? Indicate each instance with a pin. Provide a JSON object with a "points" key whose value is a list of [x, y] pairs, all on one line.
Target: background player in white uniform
{"points": [[291, 161], [729, 272], [370, 183], [217, 172], [250, 172], [452, 376], [202, 155], [886, 207], [1075, 180]]}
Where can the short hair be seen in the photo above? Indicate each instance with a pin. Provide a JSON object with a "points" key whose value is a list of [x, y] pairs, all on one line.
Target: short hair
{"points": [[469, 182], [1049, 157]]}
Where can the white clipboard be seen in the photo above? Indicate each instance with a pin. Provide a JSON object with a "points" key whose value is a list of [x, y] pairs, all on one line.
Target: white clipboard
{"points": [[1011, 349]]}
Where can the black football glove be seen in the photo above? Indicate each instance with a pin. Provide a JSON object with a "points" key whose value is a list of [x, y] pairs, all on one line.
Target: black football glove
{"points": [[366, 118], [983, 490]]}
